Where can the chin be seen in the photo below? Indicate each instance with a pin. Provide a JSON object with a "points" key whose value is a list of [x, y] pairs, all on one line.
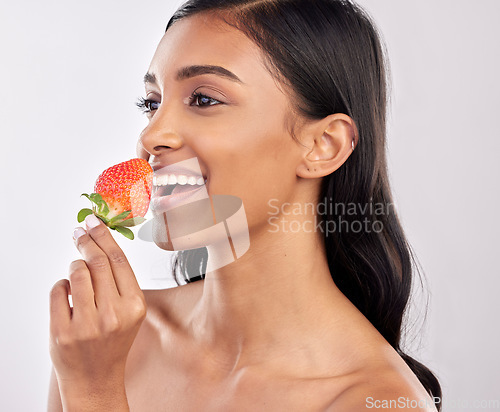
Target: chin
{"points": [[196, 225], [165, 245], [160, 233], [194, 240]]}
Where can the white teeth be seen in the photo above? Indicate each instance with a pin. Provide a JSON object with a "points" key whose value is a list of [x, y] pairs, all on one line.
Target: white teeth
{"points": [[160, 180], [171, 179]]}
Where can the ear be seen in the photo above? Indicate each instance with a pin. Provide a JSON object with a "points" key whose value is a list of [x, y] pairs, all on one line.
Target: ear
{"points": [[329, 141]]}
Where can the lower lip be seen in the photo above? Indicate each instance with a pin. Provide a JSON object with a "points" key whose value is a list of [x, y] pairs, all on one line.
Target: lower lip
{"points": [[162, 204]]}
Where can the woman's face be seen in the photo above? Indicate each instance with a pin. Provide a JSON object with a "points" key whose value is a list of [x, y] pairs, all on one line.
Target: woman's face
{"points": [[237, 130]]}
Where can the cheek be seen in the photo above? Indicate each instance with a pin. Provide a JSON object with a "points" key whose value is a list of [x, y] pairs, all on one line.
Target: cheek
{"points": [[254, 160], [259, 181]]}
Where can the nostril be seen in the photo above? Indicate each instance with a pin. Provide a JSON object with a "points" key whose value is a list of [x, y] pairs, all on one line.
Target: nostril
{"points": [[159, 148]]}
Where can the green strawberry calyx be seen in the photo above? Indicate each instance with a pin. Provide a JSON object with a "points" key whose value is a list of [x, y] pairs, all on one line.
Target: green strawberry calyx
{"points": [[100, 208]]}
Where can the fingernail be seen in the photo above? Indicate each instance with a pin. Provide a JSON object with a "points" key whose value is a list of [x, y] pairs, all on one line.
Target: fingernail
{"points": [[92, 221], [79, 231]]}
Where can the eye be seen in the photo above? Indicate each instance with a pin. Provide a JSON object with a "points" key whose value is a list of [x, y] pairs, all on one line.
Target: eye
{"points": [[201, 100], [146, 105]]}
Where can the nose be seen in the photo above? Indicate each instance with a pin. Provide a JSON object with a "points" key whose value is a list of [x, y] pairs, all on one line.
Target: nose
{"points": [[158, 137]]}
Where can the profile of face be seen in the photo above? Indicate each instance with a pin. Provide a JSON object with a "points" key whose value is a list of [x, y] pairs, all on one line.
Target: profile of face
{"points": [[209, 96]]}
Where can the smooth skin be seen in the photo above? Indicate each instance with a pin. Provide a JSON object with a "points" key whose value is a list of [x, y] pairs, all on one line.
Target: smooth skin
{"points": [[269, 332]]}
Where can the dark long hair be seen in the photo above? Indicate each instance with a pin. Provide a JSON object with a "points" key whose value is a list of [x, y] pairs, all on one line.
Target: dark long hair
{"points": [[329, 56]]}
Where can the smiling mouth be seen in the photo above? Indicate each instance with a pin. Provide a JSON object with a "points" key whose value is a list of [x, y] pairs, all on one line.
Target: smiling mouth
{"points": [[166, 184], [168, 195]]}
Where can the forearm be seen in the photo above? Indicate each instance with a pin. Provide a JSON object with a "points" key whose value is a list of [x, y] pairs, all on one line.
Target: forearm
{"points": [[93, 397]]}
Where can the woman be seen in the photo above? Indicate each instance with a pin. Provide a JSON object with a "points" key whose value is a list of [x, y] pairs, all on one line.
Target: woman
{"points": [[283, 104]]}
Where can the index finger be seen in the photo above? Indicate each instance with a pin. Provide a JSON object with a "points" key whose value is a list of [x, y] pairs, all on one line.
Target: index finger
{"points": [[124, 276]]}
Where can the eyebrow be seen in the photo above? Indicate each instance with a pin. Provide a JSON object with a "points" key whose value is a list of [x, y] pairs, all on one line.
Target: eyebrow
{"points": [[192, 71], [150, 78]]}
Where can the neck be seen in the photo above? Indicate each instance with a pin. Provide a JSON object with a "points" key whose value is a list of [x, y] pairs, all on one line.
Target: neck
{"points": [[274, 300]]}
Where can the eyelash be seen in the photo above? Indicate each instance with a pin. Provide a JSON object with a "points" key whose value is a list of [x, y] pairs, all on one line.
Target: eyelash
{"points": [[144, 105]]}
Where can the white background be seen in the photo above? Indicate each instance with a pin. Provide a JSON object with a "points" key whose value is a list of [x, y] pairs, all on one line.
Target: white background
{"points": [[70, 74]]}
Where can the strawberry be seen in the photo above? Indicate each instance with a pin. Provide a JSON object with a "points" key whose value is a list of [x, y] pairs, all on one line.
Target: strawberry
{"points": [[121, 196]]}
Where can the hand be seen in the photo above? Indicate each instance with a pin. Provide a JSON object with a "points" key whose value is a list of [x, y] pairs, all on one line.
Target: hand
{"points": [[89, 342]]}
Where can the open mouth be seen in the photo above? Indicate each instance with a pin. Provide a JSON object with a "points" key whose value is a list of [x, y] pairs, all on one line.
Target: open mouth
{"points": [[165, 185], [170, 192], [159, 191]]}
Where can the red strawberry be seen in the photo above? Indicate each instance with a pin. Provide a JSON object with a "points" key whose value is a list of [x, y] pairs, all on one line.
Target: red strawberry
{"points": [[122, 195]]}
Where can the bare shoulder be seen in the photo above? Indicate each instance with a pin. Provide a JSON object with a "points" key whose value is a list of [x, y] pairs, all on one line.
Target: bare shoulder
{"points": [[389, 389], [166, 311]]}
